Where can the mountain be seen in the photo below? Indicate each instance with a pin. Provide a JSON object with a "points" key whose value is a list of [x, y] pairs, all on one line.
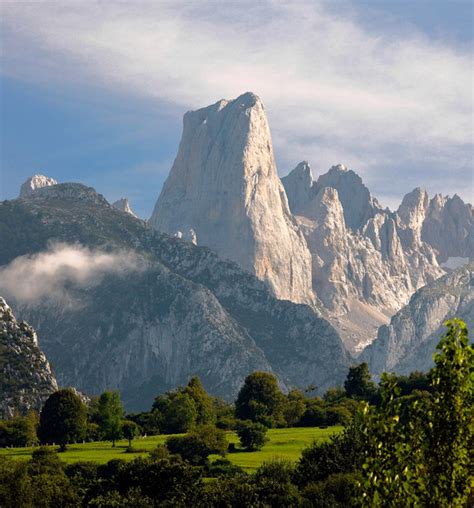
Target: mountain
{"points": [[365, 266], [123, 306], [35, 182], [224, 187], [409, 341], [26, 378], [124, 206]]}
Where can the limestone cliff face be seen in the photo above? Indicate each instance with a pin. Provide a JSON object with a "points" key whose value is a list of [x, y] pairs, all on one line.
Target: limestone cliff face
{"points": [[224, 186], [366, 261], [409, 341], [187, 313], [26, 378]]}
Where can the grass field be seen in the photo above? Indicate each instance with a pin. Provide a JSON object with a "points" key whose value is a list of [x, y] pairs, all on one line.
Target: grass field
{"points": [[283, 443]]}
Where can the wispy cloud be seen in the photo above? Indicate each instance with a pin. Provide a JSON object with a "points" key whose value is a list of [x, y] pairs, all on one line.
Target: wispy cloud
{"points": [[53, 275], [333, 89]]}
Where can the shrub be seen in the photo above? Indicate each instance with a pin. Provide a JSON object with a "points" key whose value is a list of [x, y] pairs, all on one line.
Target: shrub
{"points": [[198, 445], [252, 435]]}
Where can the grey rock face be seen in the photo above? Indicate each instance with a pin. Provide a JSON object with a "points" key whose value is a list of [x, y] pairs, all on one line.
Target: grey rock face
{"points": [[35, 182], [188, 313], [26, 378], [364, 271], [224, 186], [124, 206], [358, 205], [449, 227], [409, 341]]}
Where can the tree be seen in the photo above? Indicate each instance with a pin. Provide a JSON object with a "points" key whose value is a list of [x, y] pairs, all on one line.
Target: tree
{"points": [[260, 400], [294, 408], [175, 412], [451, 430], [343, 453], [63, 419], [130, 430], [110, 414], [203, 402], [199, 444], [358, 382], [252, 435], [19, 430], [425, 457]]}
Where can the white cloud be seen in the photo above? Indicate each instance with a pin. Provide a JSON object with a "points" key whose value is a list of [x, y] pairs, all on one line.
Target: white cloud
{"points": [[55, 273], [334, 91]]}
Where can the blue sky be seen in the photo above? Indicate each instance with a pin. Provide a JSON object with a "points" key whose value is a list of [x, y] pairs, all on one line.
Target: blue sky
{"points": [[96, 92]]}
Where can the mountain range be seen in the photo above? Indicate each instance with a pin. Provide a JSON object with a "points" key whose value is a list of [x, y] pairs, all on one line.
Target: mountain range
{"points": [[236, 270]]}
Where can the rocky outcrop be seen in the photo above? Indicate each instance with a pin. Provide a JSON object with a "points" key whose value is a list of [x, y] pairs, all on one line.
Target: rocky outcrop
{"points": [[224, 186], [409, 341], [26, 378], [364, 271], [124, 206], [188, 313], [35, 182], [358, 205], [449, 227]]}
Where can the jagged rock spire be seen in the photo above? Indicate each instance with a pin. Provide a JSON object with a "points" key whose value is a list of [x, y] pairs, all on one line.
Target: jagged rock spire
{"points": [[224, 185]]}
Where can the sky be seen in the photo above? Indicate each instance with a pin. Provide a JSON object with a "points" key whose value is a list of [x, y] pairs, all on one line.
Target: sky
{"points": [[94, 92]]}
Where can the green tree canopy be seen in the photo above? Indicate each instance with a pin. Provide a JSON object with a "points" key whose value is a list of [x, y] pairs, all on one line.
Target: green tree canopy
{"points": [[358, 382], [203, 402], [110, 414], [424, 459], [63, 419], [130, 430], [175, 412], [260, 400], [252, 435]]}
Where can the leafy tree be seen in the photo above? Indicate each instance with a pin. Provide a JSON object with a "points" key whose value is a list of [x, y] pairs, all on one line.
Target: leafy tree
{"points": [[450, 456], [343, 453], [199, 444], [337, 490], [175, 412], [19, 430], [274, 486], [425, 458], [260, 400], [130, 430], [252, 435], [203, 402], [358, 382], [110, 414], [294, 408], [315, 413], [63, 419]]}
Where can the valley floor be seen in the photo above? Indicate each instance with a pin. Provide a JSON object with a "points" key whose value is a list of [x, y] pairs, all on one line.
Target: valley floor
{"points": [[282, 443]]}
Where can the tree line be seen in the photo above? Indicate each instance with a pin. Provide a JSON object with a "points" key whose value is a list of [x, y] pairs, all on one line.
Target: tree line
{"points": [[409, 443]]}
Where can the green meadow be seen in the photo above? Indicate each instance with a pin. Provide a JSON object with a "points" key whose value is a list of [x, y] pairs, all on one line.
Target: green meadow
{"points": [[282, 443]]}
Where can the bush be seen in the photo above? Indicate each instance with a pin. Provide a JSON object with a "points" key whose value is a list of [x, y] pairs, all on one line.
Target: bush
{"points": [[223, 467], [274, 486], [198, 445], [252, 435], [338, 490]]}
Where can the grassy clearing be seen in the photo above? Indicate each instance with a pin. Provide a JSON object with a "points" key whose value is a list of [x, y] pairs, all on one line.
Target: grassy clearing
{"points": [[283, 443]]}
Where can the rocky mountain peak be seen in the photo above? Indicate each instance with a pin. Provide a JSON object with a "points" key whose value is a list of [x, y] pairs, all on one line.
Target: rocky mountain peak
{"points": [[224, 186], [356, 200], [412, 210], [124, 206], [298, 183], [35, 182]]}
